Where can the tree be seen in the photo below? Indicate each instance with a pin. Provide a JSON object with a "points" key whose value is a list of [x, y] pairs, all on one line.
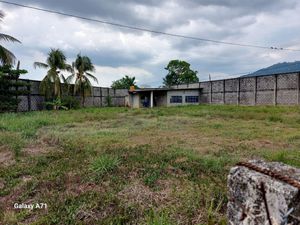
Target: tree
{"points": [[80, 72], [11, 87], [124, 83], [179, 72], [51, 84], [6, 56]]}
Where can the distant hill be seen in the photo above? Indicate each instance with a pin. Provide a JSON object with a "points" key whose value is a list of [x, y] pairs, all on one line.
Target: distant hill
{"points": [[285, 67]]}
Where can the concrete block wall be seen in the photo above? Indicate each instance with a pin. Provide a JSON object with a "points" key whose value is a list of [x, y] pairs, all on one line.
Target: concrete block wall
{"points": [[35, 101], [277, 89]]}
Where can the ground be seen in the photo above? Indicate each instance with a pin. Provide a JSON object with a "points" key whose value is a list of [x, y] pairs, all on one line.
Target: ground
{"points": [[143, 166]]}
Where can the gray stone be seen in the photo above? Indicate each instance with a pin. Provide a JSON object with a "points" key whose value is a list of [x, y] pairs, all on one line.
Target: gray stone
{"points": [[246, 204]]}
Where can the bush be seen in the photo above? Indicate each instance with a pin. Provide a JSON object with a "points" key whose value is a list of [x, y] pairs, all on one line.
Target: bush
{"points": [[11, 87], [71, 102], [104, 164], [108, 101]]}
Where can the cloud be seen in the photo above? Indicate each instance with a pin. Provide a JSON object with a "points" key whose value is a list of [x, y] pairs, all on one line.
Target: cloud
{"points": [[117, 51], [108, 74]]}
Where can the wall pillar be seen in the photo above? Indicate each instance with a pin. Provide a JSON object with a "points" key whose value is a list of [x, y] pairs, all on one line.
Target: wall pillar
{"points": [[210, 93], [224, 88], [298, 89], [275, 90], [238, 91], [28, 96], [255, 90]]}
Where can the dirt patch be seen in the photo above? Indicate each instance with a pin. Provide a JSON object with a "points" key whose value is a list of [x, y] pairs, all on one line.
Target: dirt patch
{"points": [[142, 197], [37, 149], [266, 144], [2, 184], [7, 158], [75, 186]]}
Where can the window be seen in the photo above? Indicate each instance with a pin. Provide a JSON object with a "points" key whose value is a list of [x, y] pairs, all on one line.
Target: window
{"points": [[176, 99], [192, 99]]}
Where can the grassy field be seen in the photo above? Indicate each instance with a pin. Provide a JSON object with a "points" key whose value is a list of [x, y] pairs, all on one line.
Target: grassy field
{"points": [[123, 166]]}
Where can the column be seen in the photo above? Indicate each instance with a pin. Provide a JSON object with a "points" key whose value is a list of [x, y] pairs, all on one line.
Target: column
{"points": [[151, 99]]}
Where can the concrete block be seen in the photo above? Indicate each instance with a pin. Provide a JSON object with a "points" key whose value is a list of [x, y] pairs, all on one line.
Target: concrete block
{"points": [[257, 198]]}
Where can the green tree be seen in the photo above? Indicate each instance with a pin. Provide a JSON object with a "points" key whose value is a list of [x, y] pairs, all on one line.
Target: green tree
{"points": [[6, 56], [179, 72], [81, 69], [124, 83], [51, 84], [11, 87]]}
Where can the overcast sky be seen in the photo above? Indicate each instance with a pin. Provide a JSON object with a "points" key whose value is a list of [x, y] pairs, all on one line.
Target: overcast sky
{"points": [[116, 51]]}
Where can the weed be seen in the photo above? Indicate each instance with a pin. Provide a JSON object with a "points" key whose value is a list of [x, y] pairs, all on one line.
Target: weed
{"points": [[104, 164]]}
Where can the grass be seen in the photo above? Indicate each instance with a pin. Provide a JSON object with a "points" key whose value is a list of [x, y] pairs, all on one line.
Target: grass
{"points": [[105, 164], [123, 166]]}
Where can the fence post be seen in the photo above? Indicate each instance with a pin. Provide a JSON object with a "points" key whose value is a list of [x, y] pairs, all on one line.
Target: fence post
{"points": [[28, 96], [224, 92], [275, 90], [238, 91], [298, 89], [210, 92], [255, 90]]}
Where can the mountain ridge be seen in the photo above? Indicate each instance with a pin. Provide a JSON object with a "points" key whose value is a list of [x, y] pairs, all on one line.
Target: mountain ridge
{"points": [[284, 67]]}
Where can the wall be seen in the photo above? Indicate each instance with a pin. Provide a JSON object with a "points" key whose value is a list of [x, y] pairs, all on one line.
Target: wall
{"points": [[35, 101], [136, 100], [281, 89], [182, 93], [160, 99]]}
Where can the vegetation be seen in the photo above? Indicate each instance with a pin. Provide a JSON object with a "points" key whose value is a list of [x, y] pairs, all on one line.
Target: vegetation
{"points": [[124, 83], [51, 84], [121, 166], [11, 87], [80, 73], [6, 56], [179, 72]]}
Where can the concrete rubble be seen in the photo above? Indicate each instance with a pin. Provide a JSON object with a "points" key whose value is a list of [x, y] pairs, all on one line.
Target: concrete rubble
{"points": [[258, 199]]}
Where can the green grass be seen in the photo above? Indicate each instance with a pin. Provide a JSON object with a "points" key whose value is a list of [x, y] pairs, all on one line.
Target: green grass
{"points": [[144, 166], [105, 164]]}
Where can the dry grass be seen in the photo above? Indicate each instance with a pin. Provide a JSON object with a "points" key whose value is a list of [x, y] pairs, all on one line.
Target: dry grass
{"points": [[120, 166]]}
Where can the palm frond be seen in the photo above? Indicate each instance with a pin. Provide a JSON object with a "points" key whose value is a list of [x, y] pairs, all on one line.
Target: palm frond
{"points": [[6, 56], [5, 37], [40, 65], [1, 15], [69, 68], [70, 78], [92, 76]]}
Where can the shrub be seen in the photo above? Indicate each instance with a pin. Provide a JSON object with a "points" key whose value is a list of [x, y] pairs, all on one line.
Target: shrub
{"points": [[71, 102], [104, 164], [108, 100], [11, 87]]}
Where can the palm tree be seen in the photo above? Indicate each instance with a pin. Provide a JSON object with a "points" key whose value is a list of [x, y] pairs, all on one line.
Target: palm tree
{"points": [[80, 71], [51, 84], [6, 56]]}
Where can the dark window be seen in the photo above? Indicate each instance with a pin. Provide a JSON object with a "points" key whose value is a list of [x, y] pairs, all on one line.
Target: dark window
{"points": [[191, 99], [176, 99]]}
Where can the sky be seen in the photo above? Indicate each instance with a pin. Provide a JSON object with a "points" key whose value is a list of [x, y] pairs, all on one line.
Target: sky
{"points": [[118, 51]]}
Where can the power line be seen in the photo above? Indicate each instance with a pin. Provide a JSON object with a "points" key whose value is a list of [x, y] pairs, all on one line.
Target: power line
{"points": [[148, 30]]}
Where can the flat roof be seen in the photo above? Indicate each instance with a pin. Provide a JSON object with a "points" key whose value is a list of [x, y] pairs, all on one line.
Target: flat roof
{"points": [[163, 89]]}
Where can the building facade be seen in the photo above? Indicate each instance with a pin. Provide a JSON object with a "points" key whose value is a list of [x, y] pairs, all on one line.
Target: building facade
{"points": [[156, 97]]}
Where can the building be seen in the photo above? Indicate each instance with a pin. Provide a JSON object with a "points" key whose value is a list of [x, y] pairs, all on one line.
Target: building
{"points": [[152, 97]]}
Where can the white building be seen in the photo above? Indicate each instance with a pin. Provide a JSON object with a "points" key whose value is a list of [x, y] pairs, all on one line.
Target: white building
{"points": [[152, 97]]}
